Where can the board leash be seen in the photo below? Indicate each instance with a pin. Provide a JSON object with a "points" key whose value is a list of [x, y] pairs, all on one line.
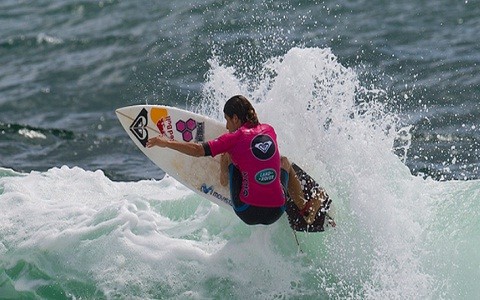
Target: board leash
{"points": [[296, 240]]}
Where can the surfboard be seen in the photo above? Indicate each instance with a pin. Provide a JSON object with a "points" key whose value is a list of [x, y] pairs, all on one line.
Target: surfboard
{"points": [[201, 174]]}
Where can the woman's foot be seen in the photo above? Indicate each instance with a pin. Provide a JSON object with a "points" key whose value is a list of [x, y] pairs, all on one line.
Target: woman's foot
{"points": [[309, 211], [311, 208]]}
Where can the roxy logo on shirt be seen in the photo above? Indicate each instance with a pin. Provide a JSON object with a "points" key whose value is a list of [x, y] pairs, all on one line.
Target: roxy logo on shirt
{"points": [[263, 147]]}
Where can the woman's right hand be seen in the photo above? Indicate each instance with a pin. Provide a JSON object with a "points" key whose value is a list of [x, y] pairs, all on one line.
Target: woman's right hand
{"points": [[159, 141]]}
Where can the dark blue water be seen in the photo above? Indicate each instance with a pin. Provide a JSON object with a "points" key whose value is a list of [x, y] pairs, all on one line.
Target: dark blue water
{"points": [[67, 66], [411, 68]]}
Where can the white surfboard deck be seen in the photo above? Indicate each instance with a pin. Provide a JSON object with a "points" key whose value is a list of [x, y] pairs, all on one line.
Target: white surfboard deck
{"points": [[200, 174]]}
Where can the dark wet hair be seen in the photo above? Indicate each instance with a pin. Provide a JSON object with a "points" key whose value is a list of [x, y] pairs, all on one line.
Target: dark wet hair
{"points": [[240, 106]]}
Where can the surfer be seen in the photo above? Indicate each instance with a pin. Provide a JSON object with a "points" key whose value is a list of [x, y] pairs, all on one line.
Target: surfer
{"points": [[251, 163]]}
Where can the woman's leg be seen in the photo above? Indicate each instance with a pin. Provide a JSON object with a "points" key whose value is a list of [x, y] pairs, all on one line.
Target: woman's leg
{"points": [[296, 193], [294, 187], [225, 161]]}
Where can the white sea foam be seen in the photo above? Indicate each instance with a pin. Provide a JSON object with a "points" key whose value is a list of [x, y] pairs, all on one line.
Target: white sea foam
{"points": [[398, 236]]}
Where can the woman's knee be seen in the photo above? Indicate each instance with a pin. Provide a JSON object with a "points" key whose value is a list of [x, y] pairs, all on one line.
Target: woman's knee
{"points": [[285, 163]]}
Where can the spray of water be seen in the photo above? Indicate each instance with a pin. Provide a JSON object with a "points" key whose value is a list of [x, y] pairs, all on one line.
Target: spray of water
{"points": [[344, 136]]}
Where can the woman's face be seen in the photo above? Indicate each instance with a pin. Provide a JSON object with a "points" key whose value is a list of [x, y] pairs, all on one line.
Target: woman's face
{"points": [[233, 123]]}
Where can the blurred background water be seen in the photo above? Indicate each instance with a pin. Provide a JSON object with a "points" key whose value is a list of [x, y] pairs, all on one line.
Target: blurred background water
{"points": [[67, 65]]}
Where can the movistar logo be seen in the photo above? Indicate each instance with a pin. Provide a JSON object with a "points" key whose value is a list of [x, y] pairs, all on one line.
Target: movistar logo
{"points": [[210, 190], [207, 190]]}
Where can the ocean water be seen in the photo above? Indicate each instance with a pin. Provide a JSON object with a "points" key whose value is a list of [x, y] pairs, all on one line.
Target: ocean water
{"points": [[377, 100]]}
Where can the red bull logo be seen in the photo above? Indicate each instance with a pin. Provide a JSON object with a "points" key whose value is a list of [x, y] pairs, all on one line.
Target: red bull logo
{"points": [[165, 127]]}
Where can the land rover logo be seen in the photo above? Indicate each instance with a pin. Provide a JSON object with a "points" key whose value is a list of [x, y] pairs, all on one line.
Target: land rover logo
{"points": [[266, 176]]}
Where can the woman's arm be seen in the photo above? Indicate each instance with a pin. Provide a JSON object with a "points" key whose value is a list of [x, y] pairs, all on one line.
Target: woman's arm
{"points": [[188, 148]]}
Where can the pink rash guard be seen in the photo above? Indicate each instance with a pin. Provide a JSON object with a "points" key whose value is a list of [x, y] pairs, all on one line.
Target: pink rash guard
{"points": [[254, 152]]}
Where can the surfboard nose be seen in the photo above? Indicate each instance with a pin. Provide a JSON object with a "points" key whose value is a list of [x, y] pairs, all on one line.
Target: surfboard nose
{"points": [[122, 111], [130, 112]]}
